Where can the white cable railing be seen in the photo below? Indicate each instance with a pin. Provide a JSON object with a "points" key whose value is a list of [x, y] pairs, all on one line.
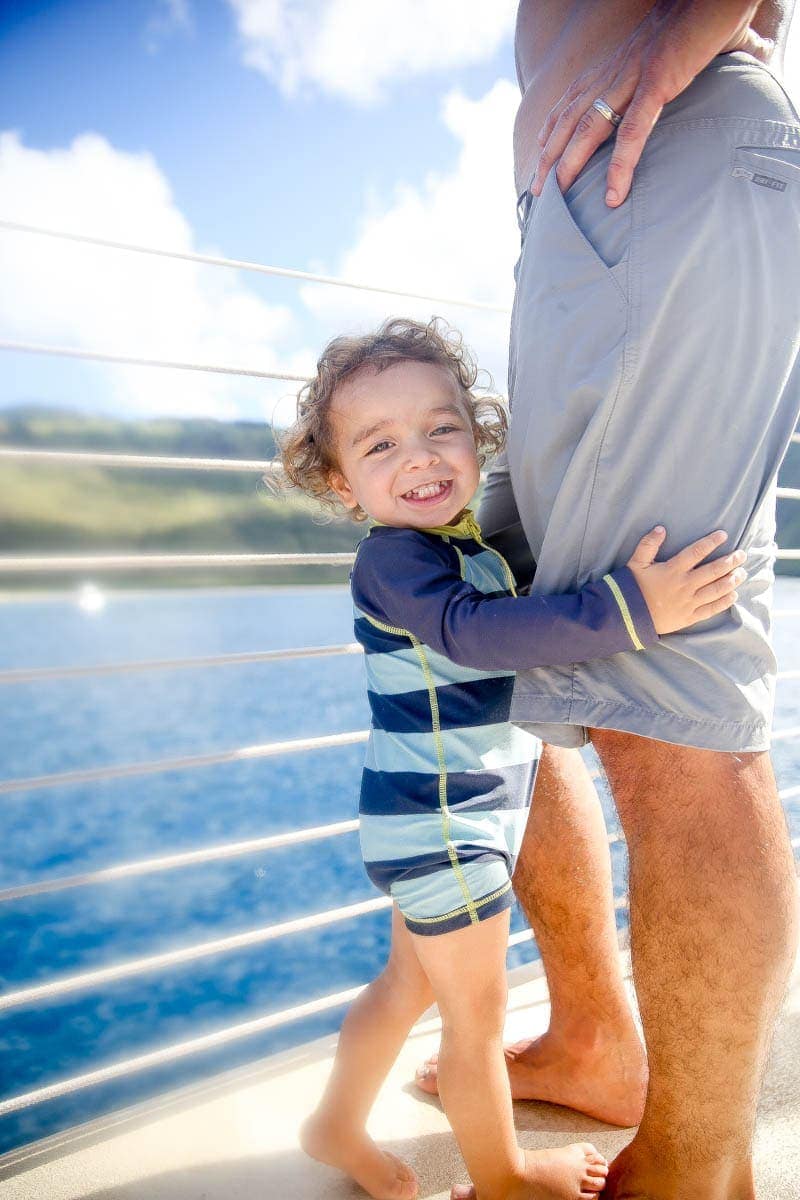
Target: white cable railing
{"points": [[173, 958], [132, 360], [238, 754], [40, 674], [239, 941], [220, 1037], [103, 458], [27, 565], [155, 766], [242, 265], [170, 462]]}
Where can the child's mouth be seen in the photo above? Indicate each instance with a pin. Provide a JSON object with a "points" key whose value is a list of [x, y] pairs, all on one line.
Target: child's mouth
{"points": [[428, 494]]}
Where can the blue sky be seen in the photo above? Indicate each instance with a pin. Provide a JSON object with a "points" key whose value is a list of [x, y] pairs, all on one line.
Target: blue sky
{"points": [[254, 168], [369, 140]]}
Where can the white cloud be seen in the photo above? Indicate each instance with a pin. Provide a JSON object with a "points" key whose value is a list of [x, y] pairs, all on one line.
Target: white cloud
{"points": [[168, 17], [353, 48], [454, 235], [91, 298]]}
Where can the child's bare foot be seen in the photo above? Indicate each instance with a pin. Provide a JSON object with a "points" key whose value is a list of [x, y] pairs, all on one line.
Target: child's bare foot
{"points": [[576, 1172], [383, 1175]]}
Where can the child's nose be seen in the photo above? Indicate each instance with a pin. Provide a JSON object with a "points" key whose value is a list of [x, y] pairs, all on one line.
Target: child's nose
{"points": [[421, 454]]}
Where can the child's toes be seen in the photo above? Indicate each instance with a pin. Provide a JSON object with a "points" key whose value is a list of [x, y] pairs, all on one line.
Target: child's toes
{"points": [[593, 1155], [406, 1184], [594, 1172]]}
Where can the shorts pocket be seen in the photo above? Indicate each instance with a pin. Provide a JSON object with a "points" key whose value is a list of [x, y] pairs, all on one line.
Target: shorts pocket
{"points": [[603, 233]]}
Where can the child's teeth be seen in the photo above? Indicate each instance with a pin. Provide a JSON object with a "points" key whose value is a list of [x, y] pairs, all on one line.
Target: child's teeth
{"points": [[429, 489]]}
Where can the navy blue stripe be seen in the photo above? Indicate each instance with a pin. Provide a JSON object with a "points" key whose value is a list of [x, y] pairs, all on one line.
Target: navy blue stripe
{"points": [[385, 872], [470, 548], [377, 641], [400, 793], [466, 705], [463, 919]]}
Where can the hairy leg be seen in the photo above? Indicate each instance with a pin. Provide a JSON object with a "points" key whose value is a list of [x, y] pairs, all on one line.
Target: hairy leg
{"points": [[372, 1034], [466, 968], [713, 932], [591, 1057]]}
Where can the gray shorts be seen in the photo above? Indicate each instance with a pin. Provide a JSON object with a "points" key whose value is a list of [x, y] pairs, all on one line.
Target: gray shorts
{"points": [[654, 377]]}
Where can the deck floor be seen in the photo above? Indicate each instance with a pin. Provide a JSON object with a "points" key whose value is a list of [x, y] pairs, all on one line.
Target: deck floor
{"points": [[234, 1137]]}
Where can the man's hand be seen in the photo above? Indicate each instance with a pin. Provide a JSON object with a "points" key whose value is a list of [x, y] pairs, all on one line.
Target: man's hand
{"points": [[667, 49], [680, 592]]}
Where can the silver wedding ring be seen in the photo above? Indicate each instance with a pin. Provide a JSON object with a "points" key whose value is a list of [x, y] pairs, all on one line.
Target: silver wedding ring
{"points": [[606, 111]]}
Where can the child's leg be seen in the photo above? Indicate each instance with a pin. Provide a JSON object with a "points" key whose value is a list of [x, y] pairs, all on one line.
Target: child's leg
{"points": [[468, 972], [373, 1032]]}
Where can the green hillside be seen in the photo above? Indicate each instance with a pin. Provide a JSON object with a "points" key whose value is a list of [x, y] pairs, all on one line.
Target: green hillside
{"points": [[49, 509]]}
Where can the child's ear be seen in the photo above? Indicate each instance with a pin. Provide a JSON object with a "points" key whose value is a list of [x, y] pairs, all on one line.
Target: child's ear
{"points": [[338, 484]]}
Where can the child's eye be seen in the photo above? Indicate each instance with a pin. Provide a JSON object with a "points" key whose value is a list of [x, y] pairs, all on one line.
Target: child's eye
{"points": [[378, 446], [445, 429]]}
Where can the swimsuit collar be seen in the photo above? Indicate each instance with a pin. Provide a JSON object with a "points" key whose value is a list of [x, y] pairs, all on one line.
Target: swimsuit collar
{"points": [[465, 527]]}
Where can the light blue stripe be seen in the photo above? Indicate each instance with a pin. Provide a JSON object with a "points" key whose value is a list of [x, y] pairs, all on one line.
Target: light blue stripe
{"points": [[471, 749], [400, 671], [385, 839], [485, 572], [435, 895]]}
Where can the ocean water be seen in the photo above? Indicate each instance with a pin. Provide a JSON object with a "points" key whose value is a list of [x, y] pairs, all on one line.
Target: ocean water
{"points": [[67, 725]]}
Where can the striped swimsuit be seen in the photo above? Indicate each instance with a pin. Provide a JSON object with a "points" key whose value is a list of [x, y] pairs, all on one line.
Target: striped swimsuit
{"points": [[447, 780]]}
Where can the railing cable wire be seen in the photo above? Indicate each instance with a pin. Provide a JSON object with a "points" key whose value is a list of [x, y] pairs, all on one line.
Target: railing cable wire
{"points": [[242, 265]]}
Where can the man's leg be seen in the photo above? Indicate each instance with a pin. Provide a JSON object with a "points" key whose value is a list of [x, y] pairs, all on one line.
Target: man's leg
{"points": [[713, 932], [591, 1057]]}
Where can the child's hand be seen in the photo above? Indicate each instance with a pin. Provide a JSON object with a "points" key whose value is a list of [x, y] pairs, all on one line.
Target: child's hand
{"points": [[679, 592]]}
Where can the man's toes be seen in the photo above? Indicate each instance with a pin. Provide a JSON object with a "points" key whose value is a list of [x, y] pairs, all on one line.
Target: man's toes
{"points": [[427, 1078]]}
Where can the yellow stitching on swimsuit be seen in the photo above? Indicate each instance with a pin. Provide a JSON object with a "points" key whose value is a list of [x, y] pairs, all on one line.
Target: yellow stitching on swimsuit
{"points": [[388, 628], [623, 608], [437, 739], [457, 912], [510, 580], [445, 812]]}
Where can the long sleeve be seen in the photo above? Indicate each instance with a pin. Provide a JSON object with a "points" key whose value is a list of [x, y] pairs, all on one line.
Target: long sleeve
{"points": [[410, 580]]}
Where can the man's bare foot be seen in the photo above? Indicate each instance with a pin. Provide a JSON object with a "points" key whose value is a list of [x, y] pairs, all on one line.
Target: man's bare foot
{"points": [[383, 1175], [606, 1079], [576, 1172]]}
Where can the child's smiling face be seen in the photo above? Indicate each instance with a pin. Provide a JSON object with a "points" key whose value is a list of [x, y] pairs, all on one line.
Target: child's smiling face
{"points": [[404, 445]]}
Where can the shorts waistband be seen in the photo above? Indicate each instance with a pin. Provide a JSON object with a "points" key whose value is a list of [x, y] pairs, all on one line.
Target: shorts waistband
{"points": [[704, 98]]}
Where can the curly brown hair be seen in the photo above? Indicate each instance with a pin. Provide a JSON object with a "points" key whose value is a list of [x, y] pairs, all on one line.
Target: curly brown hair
{"points": [[307, 447]]}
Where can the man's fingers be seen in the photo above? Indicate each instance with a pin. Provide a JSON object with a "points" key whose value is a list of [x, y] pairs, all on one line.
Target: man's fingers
{"points": [[697, 551], [637, 125], [591, 130], [561, 132]]}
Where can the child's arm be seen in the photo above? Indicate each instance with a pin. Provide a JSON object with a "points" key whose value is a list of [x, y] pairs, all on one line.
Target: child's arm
{"points": [[411, 581]]}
